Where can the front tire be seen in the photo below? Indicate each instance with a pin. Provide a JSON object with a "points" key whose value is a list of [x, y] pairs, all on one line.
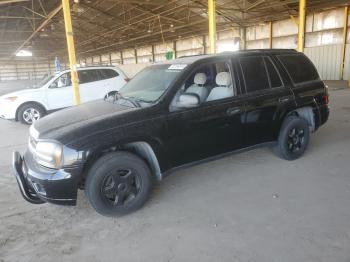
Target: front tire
{"points": [[293, 138], [118, 183], [29, 113]]}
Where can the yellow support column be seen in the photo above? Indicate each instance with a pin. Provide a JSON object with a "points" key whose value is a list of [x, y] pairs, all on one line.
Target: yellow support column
{"points": [[212, 26], [71, 50], [301, 31], [270, 35], [345, 34]]}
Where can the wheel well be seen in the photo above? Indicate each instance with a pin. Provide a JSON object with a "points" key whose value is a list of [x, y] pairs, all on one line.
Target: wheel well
{"points": [[306, 113], [140, 148], [29, 102], [145, 151]]}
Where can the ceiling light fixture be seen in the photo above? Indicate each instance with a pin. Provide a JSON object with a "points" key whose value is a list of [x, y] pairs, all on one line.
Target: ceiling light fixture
{"points": [[149, 29], [24, 53]]}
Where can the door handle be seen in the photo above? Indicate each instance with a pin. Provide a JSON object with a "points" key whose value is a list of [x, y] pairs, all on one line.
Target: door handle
{"points": [[283, 99], [232, 111]]}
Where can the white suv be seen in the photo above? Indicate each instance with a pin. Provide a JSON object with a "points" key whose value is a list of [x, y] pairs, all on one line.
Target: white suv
{"points": [[55, 92]]}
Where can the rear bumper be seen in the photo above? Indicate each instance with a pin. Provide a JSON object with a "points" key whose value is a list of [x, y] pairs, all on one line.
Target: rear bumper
{"points": [[38, 185], [324, 114]]}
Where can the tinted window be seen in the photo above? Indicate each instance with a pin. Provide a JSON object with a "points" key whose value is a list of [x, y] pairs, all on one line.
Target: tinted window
{"points": [[108, 73], [87, 76], [299, 68], [254, 73], [275, 79]]}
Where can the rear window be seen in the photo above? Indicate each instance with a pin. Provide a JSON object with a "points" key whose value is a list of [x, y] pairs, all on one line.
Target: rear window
{"points": [[275, 80], [87, 76], [108, 73], [299, 68], [254, 72]]}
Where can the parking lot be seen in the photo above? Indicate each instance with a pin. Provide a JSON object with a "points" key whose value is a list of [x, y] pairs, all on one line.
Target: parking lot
{"points": [[251, 206]]}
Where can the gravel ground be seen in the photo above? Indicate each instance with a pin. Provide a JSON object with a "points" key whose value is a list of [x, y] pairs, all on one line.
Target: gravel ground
{"points": [[247, 207]]}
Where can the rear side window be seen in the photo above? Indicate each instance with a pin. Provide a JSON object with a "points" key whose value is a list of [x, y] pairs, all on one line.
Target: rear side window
{"points": [[87, 76], [299, 68], [254, 72], [275, 80], [108, 73]]}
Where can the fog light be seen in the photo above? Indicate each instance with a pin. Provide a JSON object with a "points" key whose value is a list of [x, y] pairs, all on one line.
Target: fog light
{"points": [[39, 188]]}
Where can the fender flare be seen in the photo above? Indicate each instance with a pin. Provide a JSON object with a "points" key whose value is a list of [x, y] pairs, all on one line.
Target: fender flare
{"points": [[145, 151], [309, 113]]}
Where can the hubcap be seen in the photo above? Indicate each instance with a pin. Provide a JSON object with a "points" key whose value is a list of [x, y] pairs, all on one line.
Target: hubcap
{"points": [[296, 138], [30, 115], [120, 187]]}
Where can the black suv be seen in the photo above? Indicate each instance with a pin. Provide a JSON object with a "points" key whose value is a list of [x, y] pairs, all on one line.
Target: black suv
{"points": [[169, 115]]}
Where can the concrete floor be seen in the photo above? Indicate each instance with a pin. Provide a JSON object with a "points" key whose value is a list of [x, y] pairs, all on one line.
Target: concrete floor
{"points": [[247, 207]]}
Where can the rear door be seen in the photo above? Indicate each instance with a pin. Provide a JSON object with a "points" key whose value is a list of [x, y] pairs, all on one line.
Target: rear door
{"points": [[113, 80], [267, 98], [90, 85]]}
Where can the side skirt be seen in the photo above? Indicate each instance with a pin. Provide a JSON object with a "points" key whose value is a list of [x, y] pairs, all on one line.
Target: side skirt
{"points": [[213, 158], [54, 110]]}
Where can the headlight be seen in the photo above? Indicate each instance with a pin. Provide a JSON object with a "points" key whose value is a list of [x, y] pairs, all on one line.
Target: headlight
{"points": [[11, 98], [48, 154]]}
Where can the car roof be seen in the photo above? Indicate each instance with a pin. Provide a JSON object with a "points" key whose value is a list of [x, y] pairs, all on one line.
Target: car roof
{"points": [[92, 67], [194, 58]]}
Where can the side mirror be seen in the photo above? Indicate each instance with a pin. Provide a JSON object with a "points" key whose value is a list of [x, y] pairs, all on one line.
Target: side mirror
{"points": [[53, 85], [188, 100]]}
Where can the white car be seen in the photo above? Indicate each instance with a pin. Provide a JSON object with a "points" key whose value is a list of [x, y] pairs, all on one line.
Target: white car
{"points": [[55, 92]]}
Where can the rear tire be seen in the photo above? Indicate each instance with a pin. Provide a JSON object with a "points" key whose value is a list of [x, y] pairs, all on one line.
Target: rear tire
{"points": [[118, 183], [29, 113], [293, 138]]}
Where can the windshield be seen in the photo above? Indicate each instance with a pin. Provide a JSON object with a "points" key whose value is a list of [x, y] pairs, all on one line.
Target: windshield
{"points": [[43, 81], [150, 83]]}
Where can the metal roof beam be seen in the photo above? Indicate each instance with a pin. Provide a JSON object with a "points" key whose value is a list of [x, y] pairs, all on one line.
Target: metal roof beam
{"points": [[39, 28]]}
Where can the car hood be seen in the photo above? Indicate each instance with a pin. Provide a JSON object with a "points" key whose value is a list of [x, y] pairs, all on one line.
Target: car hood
{"points": [[80, 121], [19, 92]]}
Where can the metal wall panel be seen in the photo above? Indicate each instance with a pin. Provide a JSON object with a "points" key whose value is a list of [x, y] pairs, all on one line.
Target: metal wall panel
{"points": [[258, 44], [326, 60]]}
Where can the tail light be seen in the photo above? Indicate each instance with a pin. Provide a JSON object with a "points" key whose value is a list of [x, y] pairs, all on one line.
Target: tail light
{"points": [[325, 99], [127, 79]]}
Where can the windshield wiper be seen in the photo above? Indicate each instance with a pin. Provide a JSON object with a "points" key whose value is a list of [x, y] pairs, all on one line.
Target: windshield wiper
{"points": [[118, 96], [137, 99]]}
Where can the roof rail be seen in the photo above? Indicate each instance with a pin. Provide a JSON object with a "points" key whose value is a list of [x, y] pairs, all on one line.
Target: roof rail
{"points": [[269, 50], [89, 66]]}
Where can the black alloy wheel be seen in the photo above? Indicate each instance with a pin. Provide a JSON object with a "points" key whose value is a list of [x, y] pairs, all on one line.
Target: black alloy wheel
{"points": [[120, 187]]}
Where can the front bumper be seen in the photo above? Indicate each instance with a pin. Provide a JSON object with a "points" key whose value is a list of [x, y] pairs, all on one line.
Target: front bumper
{"points": [[8, 111], [39, 185], [27, 192]]}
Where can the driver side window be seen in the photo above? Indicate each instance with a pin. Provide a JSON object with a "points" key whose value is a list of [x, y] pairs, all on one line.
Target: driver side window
{"points": [[63, 81], [209, 82]]}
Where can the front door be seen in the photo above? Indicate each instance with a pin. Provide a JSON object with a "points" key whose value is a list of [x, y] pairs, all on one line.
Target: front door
{"points": [[60, 92], [211, 128]]}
